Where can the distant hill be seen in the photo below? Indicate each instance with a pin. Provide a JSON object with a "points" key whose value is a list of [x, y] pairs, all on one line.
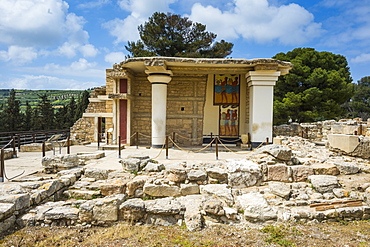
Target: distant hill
{"points": [[58, 98]]}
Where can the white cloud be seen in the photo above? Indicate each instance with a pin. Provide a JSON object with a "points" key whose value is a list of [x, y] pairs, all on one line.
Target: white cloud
{"points": [[93, 4], [126, 29], [47, 82], [19, 55], [88, 50], [82, 65], [257, 20], [363, 58], [32, 22], [114, 57]]}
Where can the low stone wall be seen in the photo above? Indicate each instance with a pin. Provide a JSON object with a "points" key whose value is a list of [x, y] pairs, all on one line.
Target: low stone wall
{"points": [[295, 181], [320, 130], [35, 147]]}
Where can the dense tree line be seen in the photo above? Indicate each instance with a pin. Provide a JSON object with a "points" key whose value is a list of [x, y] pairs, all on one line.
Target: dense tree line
{"points": [[42, 117]]}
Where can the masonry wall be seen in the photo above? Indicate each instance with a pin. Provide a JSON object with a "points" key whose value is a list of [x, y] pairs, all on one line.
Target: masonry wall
{"points": [[185, 104]]}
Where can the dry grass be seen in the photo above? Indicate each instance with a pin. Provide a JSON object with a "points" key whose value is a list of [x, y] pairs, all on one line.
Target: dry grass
{"points": [[288, 234]]}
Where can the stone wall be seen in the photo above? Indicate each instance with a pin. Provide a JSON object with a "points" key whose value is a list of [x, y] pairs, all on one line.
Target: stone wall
{"points": [[185, 106], [320, 130]]}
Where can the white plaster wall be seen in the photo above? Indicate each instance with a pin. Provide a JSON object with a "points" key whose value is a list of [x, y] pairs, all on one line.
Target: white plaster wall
{"points": [[210, 120]]}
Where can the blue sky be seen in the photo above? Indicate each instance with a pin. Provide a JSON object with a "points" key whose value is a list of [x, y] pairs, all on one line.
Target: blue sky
{"points": [[65, 44]]}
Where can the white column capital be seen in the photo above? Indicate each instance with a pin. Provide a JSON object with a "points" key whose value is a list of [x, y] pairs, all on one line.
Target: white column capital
{"points": [[262, 77], [159, 78]]}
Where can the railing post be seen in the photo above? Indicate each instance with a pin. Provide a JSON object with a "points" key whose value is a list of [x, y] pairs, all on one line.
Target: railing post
{"points": [[211, 139], [119, 147], [43, 149], [98, 141], [267, 141], [166, 147], [33, 137], [137, 140], [2, 174], [19, 142], [216, 139], [68, 146]]}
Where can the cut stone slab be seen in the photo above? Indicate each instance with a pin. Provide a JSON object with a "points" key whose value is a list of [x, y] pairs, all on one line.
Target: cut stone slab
{"points": [[193, 217], [166, 205], [325, 169], [97, 174], [301, 173], [324, 183], [278, 172], [280, 189], [347, 168], [345, 143], [90, 156], [82, 194], [255, 207], [161, 190], [197, 175], [220, 191], [278, 151], [189, 189], [243, 173], [6, 210], [57, 213]]}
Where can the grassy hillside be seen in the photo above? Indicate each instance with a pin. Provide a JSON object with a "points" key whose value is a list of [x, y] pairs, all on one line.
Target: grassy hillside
{"points": [[58, 98]]}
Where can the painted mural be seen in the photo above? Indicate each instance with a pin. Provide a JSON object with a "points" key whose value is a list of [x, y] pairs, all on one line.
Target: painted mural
{"points": [[229, 120], [226, 89]]}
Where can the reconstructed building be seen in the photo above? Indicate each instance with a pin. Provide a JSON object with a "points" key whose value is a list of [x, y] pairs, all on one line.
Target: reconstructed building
{"points": [[194, 97]]}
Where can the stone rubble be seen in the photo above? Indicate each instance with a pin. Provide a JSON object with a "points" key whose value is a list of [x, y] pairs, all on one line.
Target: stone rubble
{"points": [[273, 183]]}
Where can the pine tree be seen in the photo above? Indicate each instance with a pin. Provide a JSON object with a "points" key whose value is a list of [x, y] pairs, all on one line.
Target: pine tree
{"points": [[45, 112], [27, 125], [12, 113]]}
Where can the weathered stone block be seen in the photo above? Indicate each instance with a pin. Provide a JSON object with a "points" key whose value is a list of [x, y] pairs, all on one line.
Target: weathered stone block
{"points": [[279, 172]]}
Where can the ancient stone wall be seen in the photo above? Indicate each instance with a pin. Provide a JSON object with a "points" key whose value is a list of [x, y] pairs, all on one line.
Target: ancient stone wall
{"points": [[185, 104], [320, 130], [83, 130]]}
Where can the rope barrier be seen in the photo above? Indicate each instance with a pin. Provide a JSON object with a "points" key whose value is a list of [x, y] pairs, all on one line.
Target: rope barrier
{"points": [[230, 140], [144, 135], [189, 139], [230, 149], [192, 151], [159, 151]]}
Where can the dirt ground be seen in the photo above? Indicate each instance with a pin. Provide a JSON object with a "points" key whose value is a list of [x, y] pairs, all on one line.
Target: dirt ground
{"points": [[339, 234]]}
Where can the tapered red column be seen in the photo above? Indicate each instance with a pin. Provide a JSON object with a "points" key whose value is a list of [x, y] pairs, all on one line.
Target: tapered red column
{"points": [[159, 83]]}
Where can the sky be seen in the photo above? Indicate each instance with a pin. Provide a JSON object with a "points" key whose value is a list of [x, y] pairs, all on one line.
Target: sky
{"points": [[68, 44]]}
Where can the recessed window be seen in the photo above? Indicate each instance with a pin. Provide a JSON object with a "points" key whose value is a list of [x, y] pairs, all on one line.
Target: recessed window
{"points": [[182, 108], [139, 94]]}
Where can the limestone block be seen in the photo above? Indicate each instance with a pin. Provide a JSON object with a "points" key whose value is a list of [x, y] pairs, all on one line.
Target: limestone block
{"points": [[57, 213], [325, 169], [345, 143], [97, 174], [217, 173], [7, 224], [278, 151], [347, 168], [106, 209], [213, 206], [301, 173], [243, 173], [132, 210], [324, 183], [112, 187], [153, 167], [91, 155], [58, 163], [21, 201], [280, 189], [193, 217], [82, 194], [166, 205], [131, 164], [197, 175], [161, 190], [6, 210], [220, 191], [176, 175], [189, 189], [52, 187], [86, 211], [133, 185], [279, 172], [255, 207]]}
